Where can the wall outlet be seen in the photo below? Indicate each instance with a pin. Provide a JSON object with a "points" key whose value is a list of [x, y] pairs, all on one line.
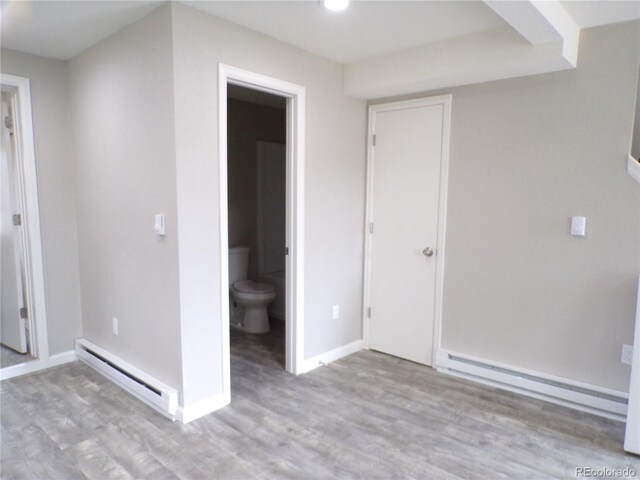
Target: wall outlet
{"points": [[336, 312], [627, 354], [114, 321]]}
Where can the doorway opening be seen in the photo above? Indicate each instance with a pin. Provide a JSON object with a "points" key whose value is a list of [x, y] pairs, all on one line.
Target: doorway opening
{"points": [[256, 179], [23, 336], [261, 138]]}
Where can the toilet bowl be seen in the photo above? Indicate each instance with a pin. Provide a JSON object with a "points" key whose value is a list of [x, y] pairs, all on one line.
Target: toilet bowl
{"points": [[254, 297], [251, 297]]}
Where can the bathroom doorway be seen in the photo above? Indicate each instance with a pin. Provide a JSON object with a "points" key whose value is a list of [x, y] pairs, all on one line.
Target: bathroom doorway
{"points": [[261, 135], [256, 179]]}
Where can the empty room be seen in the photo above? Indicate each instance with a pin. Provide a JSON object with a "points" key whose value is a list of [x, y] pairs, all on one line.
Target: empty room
{"points": [[320, 239]]}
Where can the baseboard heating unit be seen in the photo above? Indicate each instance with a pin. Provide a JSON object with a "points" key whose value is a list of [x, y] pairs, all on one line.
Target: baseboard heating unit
{"points": [[141, 385], [580, 396]]}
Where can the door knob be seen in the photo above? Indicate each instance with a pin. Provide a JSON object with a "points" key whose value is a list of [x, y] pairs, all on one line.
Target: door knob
{"points": [[428, 252]]}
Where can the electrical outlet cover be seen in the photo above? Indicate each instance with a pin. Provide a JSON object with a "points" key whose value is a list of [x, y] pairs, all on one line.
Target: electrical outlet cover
{"points": [[627, 354]]}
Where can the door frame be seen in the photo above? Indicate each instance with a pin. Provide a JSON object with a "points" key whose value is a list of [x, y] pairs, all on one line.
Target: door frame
{"points": [[294, 265], [445, 101], [20, 90]]}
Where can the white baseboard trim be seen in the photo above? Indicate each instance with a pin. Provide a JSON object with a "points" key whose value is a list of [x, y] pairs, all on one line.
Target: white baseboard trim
{"points": [[153, 392], [577, 395], [331, 356], [37, 365], [203, 407]]}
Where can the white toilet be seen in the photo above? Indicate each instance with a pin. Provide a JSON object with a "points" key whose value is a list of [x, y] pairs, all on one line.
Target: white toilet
{"points": [[248, 300]]}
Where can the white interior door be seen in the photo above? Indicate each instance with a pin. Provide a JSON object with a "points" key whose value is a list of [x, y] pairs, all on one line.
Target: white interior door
{"points": [[406, 164], [12, 327]]}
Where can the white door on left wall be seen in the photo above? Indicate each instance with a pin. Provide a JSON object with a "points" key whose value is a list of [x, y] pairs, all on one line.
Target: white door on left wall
{"points": [[13, 332]]}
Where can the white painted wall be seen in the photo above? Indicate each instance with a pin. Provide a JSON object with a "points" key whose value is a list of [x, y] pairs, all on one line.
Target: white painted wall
{"points": [[335, 157], [123, 128], [54, 161], [526, 154]]}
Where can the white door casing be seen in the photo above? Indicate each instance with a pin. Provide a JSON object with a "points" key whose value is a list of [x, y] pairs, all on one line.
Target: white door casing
{"points": [[294, 264], [407, 171]]}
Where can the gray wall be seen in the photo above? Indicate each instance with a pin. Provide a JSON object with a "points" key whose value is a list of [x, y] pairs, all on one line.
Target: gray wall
{"points": [[335, 167], [123, 128], [248, 123], [526, 154], [144, 105], [54, 161]]}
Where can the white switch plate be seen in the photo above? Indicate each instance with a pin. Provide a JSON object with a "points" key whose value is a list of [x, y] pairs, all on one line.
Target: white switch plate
{"points": [[159, 224], [114, 320], [578, 226], [336, 312], [627, 354]]}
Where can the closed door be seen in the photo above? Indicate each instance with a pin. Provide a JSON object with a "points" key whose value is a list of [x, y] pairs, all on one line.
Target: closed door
{"points": [[406, 162]]}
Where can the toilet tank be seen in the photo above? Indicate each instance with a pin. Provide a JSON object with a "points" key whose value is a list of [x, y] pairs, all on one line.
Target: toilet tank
{"points": [[238, 264]]}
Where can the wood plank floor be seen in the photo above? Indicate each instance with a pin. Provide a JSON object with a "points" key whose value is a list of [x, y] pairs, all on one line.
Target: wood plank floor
{"points": [[366, 416]]}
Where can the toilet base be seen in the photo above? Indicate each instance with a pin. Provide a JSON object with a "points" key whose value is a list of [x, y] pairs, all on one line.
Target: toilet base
{"points": [[256, 320]]}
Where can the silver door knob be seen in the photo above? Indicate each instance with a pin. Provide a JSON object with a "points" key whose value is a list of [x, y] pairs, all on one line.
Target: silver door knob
{"points": [[427, 251]]}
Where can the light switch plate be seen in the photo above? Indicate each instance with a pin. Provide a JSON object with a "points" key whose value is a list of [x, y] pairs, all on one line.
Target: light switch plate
{"points": [[159, 224], [578, 226]]}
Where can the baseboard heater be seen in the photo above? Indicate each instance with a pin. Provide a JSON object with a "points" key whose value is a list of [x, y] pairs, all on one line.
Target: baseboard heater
{"points": [[600, 401], [141, 385]]}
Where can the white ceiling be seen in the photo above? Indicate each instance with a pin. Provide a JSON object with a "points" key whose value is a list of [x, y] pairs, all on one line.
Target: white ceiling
{"points": [[593, 13], [365, 29], [62, 29]]}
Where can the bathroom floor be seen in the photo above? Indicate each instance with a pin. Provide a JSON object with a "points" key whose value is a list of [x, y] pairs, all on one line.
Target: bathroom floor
{"points": [[266, 349], [9, 357]]}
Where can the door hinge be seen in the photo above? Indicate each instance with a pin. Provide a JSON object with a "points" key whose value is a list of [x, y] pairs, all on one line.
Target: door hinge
{"points": [[286, 250], [17, 220], [8, 123], [371, 227], [24, 313], [369, 312], [373, 139]]}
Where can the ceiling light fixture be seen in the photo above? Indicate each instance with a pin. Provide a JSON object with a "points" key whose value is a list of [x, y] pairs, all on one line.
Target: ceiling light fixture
{"points": [[336, 5]]}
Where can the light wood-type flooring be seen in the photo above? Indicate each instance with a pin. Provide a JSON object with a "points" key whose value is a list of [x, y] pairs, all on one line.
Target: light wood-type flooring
{"points": [[368, 416]]}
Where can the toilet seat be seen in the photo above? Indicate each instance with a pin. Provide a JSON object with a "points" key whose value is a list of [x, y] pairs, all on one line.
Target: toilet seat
{"points": [[249, 286]]}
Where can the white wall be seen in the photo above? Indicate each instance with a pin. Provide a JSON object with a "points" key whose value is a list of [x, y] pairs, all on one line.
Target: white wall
{"points": [[54, 161], [335, 160], [526, 154], [123, 128]]}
